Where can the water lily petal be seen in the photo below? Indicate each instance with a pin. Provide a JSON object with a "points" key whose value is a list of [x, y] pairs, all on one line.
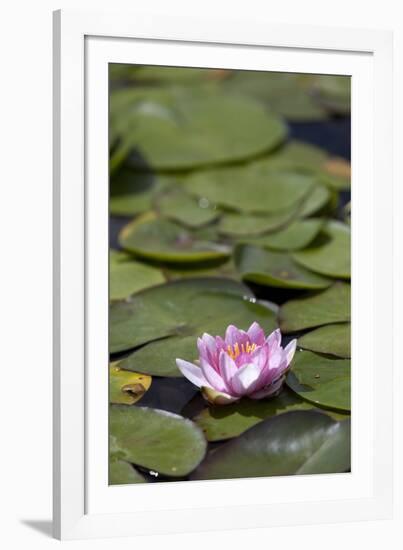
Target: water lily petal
{"points": [[244, 379], [268, 391], [274, 340], [192, 372], [212, 376], [233, 336], [218, 398], [289, 351], [256, 334], [228, 369]]}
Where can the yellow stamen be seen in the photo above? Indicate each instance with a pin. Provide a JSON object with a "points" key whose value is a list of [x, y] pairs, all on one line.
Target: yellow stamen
{"points": [[234, 351]]}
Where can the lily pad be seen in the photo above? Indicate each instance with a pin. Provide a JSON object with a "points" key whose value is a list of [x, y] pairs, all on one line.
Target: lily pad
{"points": [[329, 254], [132, 192], [334, 92], [126, 387], [243, 225], [324, 382], [182, 308], [252, 188], [297, 235], [181, 207], [297, 155], [123, 473], [276, 269], [219, 423], [330, 339], [315, 202], [284, 93], [160, 441], [163, 240], [330, 306], [175, 128], [298, 442], [127, 277]]}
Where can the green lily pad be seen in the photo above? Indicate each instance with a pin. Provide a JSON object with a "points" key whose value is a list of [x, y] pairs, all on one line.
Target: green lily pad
{"points": [[182, 208], [219, 423], [284, 93], [315, 202], [297, 235], [297, 155], [298, 442], [334, 93], [163, 240], [127, 277], [324, 382], [330, 339], [123, 473], [175, 128], [330, 306], [158, 358], [160, 441], [182, 308], [132, 192], [330, 254], [126, 387], [221, 269], [243, 225], [252, 188], [277, 269]]}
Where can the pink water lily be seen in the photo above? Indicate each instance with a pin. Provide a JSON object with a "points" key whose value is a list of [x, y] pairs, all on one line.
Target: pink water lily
{"points": [[241, 364]]}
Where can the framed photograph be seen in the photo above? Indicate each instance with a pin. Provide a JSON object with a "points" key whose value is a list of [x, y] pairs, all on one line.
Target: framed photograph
{"points": [[223, 252]]}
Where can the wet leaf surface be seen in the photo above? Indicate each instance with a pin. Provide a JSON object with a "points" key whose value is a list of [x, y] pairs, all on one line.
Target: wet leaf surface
{"points": [[330, 339], [299, 442], [163, 240], [126, 387], [175, 129], [324, 382], [329, 306], [276, 269], [183, 308], [157, 440], [330, 254]]}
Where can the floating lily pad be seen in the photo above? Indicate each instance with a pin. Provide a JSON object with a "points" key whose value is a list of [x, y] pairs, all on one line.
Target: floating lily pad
{"points": [[163, 240], [334, 92], [123, 473], [186, 307], [284, 93], [277, 269], [132, 192], [330, 306], [330, 339], [324, 382], [160, 441], [181, 207], [297, 235], [298, 442], [127, 277], [175, 128], [221, 269], [219, 423], [158, 358], [253, 188], [329, 254], [315, 202], [297, 155], [243, 225], [126, 387]]}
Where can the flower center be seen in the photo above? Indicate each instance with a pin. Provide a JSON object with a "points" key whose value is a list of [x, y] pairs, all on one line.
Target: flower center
{"points": [[236, 349]]}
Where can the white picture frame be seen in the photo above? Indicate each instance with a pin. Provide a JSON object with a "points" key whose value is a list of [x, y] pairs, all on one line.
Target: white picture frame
{"points": [[84, 505]]}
